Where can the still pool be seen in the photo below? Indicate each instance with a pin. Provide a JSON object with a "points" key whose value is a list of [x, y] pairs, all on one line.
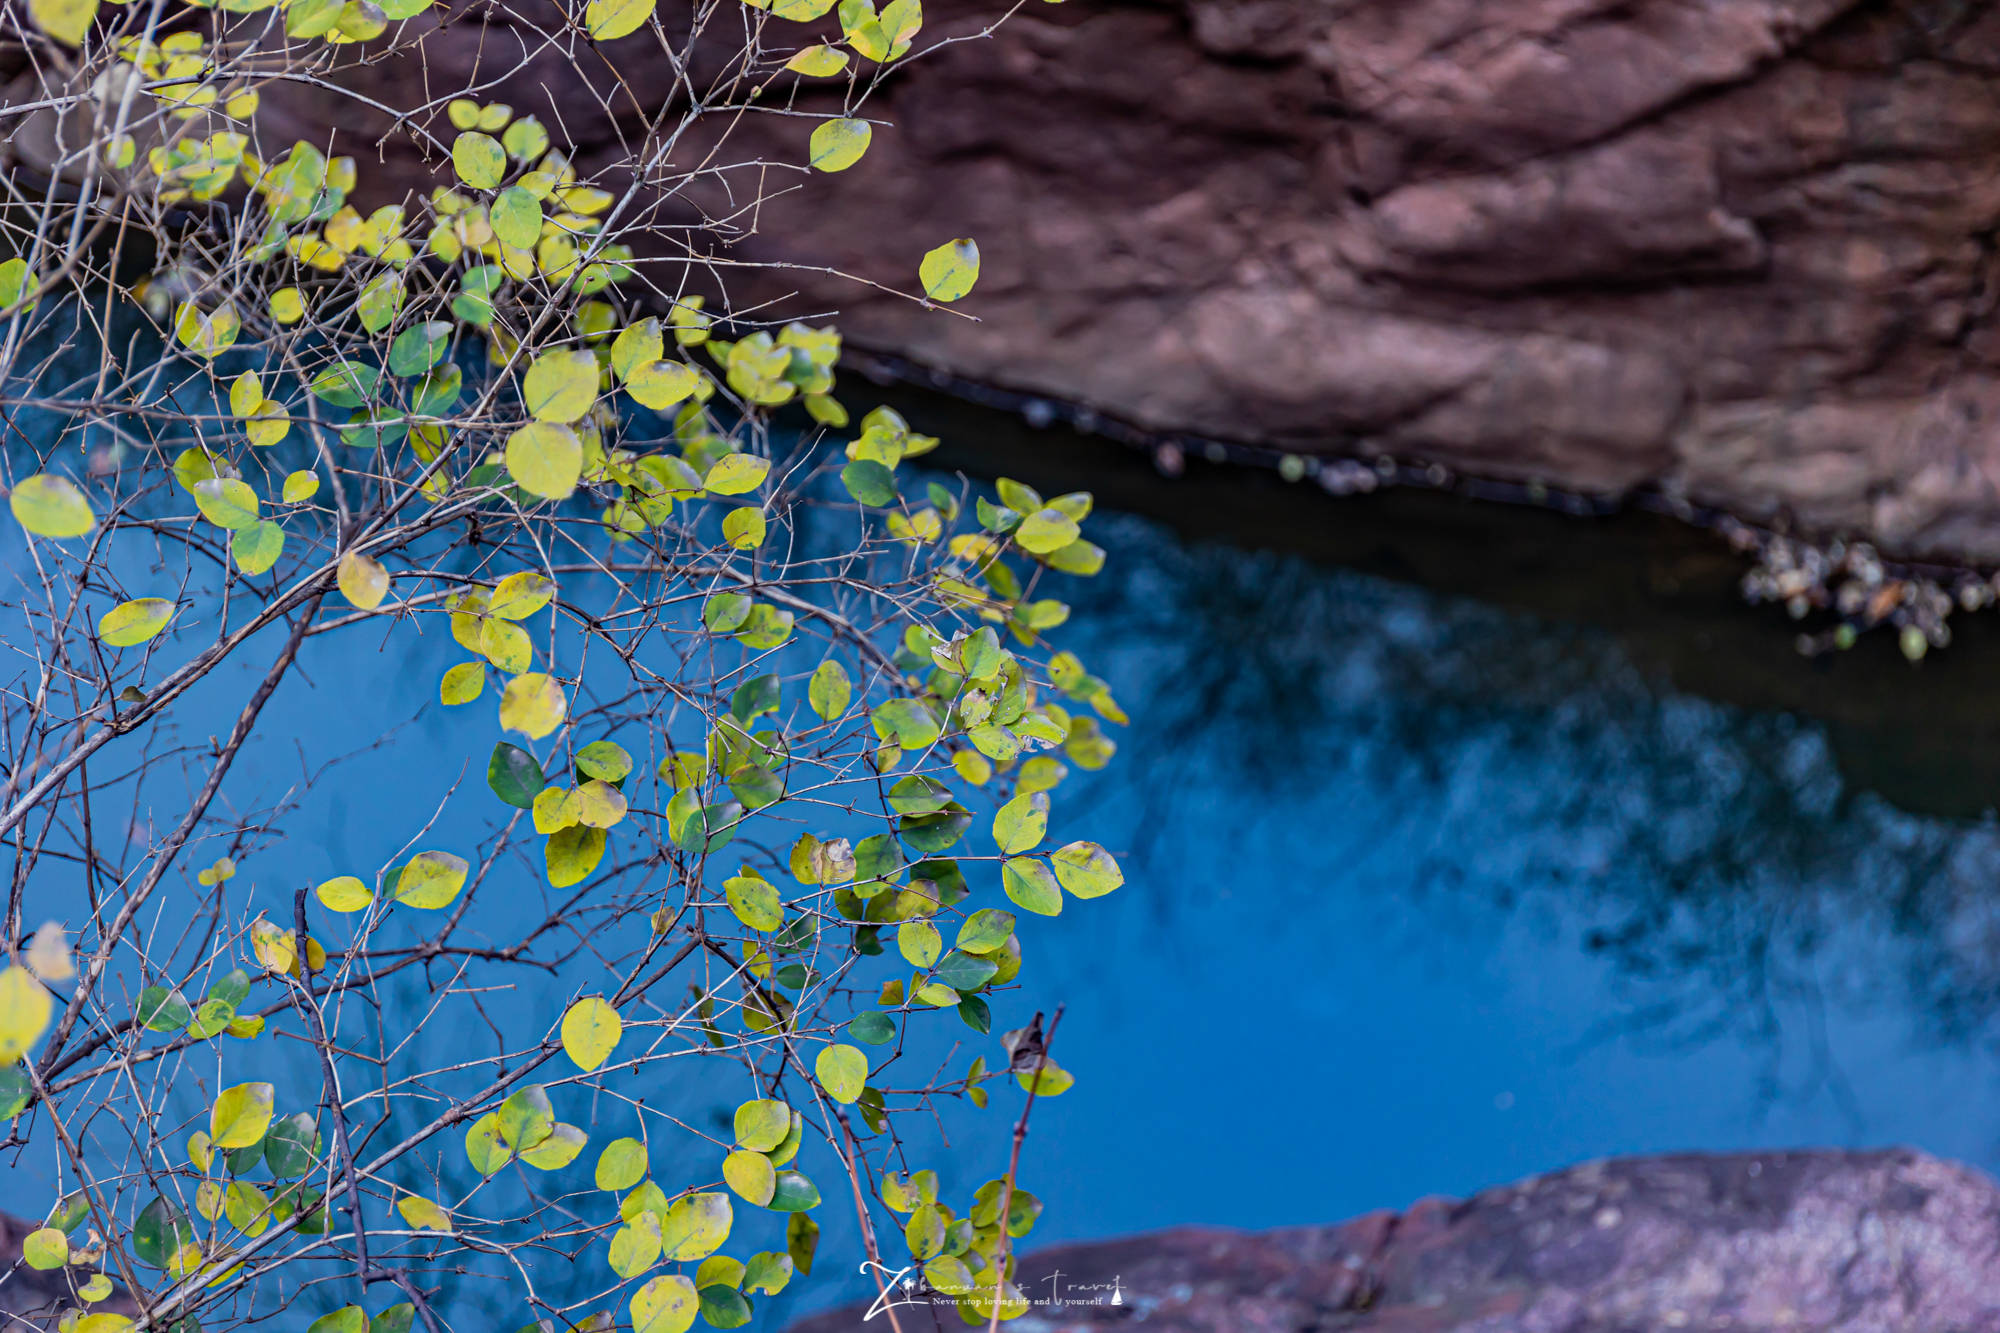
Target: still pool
{"points": [[1426, 891]]}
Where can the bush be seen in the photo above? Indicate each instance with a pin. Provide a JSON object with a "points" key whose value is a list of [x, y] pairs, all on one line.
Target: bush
{"points": [[745, 677]]}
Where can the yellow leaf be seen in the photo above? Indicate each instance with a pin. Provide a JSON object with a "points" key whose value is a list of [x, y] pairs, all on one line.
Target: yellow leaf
{"points": [[735, 474], [24, 1013], [52, 506], [65, 20], [660, 384], [665, 1305], [744, 528], [134, 622], [344, 894], [558, 1150], [533, 705], [226, 502], [506, 646], [842, 1071], [590, 1032], [949, 271], [520, 595], [751, 1175], [560, 386], [246, 394], [640, 343], [301, 486], [431, 880], [818, 62], [545, 459], [572, 853], [363, 581], [422, 1213], [608, 20], [599, 804], [287, 306], [462, 683], [839, 144], [553, 810], [479, 160], [276, 949], [240, 1115], [695, 1226]]}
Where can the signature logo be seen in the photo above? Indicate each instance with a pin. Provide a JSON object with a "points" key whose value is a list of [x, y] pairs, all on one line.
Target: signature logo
{"points": [[899, 1288]]}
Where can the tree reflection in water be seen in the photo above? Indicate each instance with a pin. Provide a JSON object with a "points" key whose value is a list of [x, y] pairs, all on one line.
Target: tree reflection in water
{"points": [[1343, 729]]}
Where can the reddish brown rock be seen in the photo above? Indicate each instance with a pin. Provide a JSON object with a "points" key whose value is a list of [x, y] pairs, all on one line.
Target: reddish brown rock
{"points": [[1807, 1242], [1743, 250]]}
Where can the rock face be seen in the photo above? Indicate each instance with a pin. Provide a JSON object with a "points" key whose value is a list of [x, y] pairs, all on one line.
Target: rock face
{"points": [[1808, 1242], [1744, 250]]}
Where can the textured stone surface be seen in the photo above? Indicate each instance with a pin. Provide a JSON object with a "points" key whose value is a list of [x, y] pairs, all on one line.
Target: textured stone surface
{"points": [[1741, 249], [1807, 1242]]}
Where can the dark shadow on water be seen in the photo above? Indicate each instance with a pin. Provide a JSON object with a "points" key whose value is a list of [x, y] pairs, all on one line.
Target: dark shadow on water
{"points": [[1925, 737]]}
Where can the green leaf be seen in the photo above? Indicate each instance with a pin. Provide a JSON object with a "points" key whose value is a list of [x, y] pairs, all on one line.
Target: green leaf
{"points": [[398, 1318], [1030, 886], [972, 1011], [919, 943], [802, 1237], [15, 1091], [838, 144], [545, 458], [949, 271], [526, 1118], [872, 1027], [842, 1071], [1020, 824], [794, 1194], [380, 301], [347, 1319], [240, 1115], [869, 482], [485, 1147], [479, 160], [160, 1232], [636, 345], [257, 547], [1046, 531], [345, 384], [419, 347], [754, 900], [516, 217], [515, 776], [725, 612], [134, 622], [163, 1010], [965, 971], [762, 1125], [292, 1145], [985, 930], [621, 1165], [724, 1307], [830, 690], [767, 1272], [52, 506]]}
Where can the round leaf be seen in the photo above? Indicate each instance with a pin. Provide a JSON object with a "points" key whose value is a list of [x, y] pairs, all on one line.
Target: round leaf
{"points": [[842, 1071], [949, 271], [590, 1032], [52, 506], [134, 622]]}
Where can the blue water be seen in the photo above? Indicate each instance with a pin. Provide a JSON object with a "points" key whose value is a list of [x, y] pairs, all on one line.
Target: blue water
{"points": [[1423, 895]]}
